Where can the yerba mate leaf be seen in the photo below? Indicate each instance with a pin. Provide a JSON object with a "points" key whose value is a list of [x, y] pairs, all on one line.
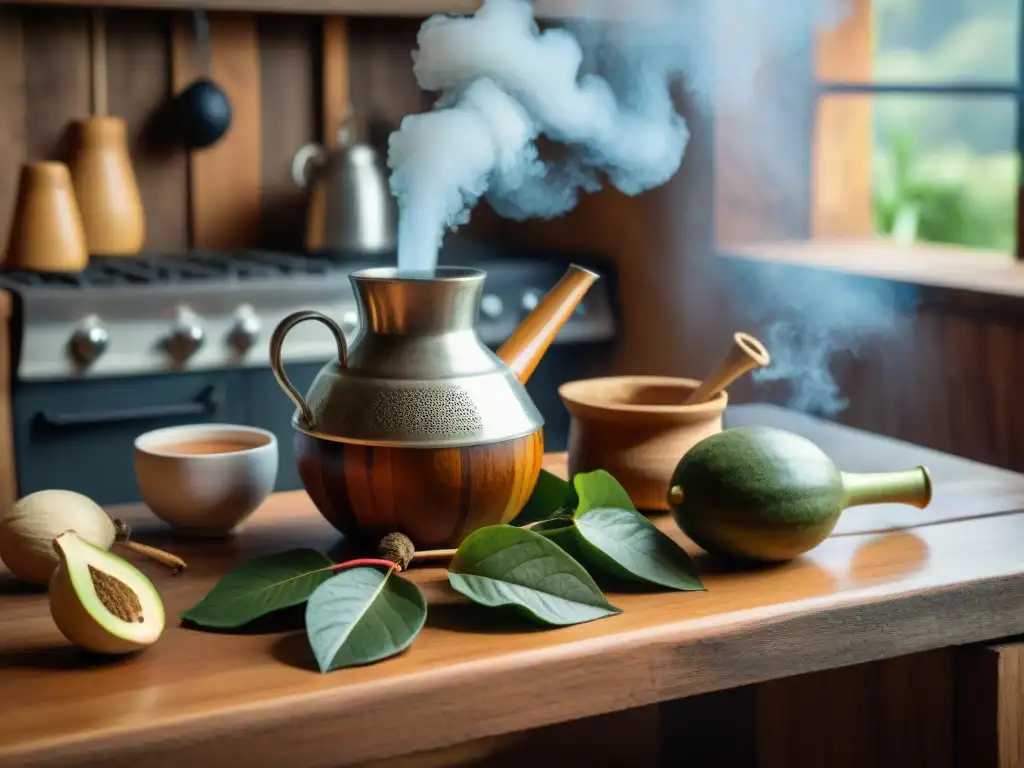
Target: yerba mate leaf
{"points": [[363, 615], [261, 586], [599, 489], [548, 497], [505, 566], [562, 531], [626, 544]]}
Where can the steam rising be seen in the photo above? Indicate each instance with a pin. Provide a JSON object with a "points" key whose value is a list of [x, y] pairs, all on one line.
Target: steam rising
{"points": [[503, 84], [602, 96], [808, 316], [530, 119]]}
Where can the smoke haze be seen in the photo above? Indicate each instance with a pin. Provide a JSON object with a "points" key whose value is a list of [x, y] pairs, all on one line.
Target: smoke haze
{"points": [[530, 119]]}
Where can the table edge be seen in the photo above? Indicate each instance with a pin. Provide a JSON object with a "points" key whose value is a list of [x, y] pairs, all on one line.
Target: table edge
{"points": [[604, 674]]}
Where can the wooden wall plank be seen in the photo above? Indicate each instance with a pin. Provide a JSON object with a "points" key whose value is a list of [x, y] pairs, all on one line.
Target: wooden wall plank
{"points": [[12, 116], [8, 459], [990, 706], [630, 737], [844, 130], [225, 179], [714, 730], [139, 84], [383, 88], [762, 179], [336, 97], [842, 149], [897, 712], [56, 77], [289, 119]]}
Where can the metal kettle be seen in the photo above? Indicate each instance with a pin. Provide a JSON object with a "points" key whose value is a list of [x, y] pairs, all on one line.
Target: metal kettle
{"points": [[350, 206]]}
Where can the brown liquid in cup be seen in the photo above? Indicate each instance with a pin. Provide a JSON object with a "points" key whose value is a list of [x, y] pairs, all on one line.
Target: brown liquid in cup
{"points": [[201, 447]]}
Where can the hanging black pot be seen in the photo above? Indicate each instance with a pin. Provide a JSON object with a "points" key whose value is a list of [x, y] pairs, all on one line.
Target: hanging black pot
{"points": [[202, 111]]}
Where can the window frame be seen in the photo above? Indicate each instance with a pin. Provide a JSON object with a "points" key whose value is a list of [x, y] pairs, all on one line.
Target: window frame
{"points": [[840, 207]]}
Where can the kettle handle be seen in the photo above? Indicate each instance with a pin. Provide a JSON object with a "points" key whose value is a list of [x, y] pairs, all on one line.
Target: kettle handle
{"points": [[277, 342], [305, 157]]}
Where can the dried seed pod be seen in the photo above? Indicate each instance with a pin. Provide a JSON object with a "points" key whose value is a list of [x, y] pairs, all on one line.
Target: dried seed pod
{"points": [[397, 548]]}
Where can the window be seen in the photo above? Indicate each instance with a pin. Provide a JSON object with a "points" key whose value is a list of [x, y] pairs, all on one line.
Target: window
{"points": [[904, 137]]}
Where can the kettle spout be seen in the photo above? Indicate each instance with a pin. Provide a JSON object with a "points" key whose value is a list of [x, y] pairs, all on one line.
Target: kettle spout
{"points": [[526, 346]]}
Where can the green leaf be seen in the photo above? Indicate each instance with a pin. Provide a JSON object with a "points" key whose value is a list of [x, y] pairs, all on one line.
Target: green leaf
{"points": [[502, 565], [599, 489], [548, 498], [261, 586], [626, 544], [363, 615], [562, 531]]}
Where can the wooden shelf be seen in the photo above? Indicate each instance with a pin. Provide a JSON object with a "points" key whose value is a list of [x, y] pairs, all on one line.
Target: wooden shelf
{"points": [[543, 9], [924, 264]]}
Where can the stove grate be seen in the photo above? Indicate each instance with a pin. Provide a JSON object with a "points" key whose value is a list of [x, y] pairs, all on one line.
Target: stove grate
{"points": [[195, 266]]}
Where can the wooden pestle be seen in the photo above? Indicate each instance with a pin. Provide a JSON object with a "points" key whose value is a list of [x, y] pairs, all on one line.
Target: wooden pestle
{"points": [[745, 354]]}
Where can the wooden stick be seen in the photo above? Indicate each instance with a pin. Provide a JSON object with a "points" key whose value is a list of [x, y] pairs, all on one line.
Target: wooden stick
{"points": [[98, 60], [434, 554], [745, 354], [123, 532]]}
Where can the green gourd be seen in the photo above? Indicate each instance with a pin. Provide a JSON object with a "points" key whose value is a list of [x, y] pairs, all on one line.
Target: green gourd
{"points": [[765, 494]]}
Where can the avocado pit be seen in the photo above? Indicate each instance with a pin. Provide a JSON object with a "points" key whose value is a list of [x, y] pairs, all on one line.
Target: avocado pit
{"points": [[116, 596]]}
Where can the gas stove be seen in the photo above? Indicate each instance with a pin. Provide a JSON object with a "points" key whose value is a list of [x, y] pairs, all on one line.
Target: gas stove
{"points": [[202, 310]]}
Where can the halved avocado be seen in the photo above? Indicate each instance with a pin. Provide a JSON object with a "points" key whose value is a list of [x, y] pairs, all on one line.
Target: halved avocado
{"points": [[100, 601]]}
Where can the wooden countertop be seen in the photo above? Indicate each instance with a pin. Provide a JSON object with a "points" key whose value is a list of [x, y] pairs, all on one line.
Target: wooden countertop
{"points": [[200, 699]]}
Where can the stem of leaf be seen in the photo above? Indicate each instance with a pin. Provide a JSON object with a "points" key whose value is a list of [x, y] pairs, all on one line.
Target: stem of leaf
{"points": [[433, 554], [365, 561]]}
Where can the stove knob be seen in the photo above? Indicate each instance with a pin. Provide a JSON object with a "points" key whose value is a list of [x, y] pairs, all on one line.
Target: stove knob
{"points": [[491, 306], [89, 340], [530, 300], [246, 329], [349, 322], [186, 336]]}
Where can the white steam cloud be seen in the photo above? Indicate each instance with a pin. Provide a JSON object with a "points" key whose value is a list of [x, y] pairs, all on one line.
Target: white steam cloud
{"points": [[601, 98], [529, 119]]}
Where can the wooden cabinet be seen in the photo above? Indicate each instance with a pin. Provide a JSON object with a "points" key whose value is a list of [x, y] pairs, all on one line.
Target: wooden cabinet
{"points": [[989, 709]]}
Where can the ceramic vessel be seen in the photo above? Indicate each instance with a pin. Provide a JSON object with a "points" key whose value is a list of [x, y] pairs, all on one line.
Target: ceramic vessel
{"points": [[46, 229], [637, 428], [106, 188], [418, 427], [205, 479]]}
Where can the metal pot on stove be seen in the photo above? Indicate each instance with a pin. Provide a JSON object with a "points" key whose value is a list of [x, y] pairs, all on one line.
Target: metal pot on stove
{"points": [[350, 207]]}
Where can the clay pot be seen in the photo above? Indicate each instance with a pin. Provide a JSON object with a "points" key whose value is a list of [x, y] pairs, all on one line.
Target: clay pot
{"points": [[636, 428]]}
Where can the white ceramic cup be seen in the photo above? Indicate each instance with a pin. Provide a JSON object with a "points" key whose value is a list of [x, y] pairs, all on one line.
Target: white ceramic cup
{"points": [[205, 493]]}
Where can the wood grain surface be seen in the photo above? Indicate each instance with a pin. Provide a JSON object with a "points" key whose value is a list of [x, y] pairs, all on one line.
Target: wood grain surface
{"points": [[254, 698], [139, 84], [372, 491], [289, 121], [895, 712], [336, 95], [8, 473], [13, 148], [56, 50], [990, 706]]}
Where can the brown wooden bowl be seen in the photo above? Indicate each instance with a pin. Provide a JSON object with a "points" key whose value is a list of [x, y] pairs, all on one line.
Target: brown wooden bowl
{"points": [[637, 429], [435, 496]]}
